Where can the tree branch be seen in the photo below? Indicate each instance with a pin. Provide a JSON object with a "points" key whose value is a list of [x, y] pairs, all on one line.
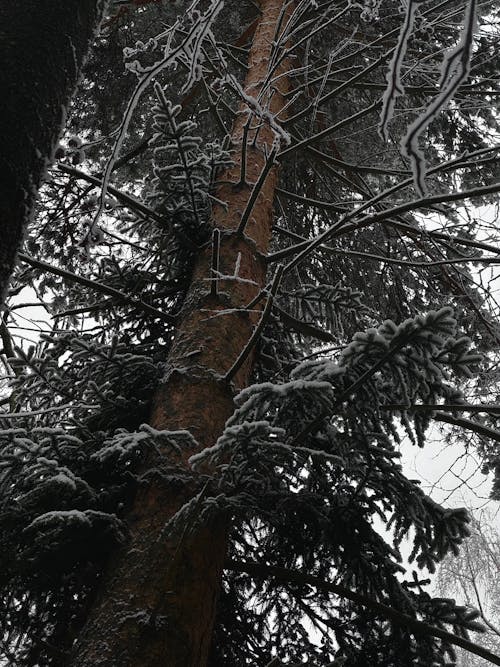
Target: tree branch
{"points": [[127, 200], [417, 627], [97, 287]]}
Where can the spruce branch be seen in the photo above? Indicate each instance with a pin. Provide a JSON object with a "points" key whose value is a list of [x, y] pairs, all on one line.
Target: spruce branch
{"points": [[305, 143], [286, 575], [468, 424], [304, 328], [340, 228], [97, 287], [315, 423], [479, 259], [127, 200]]}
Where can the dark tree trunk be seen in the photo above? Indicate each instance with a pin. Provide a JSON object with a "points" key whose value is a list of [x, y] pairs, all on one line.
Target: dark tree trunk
{"points": [[42, 47], [156, 606]]}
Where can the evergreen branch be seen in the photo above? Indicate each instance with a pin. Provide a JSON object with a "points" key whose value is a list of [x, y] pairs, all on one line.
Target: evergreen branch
{"points": [[418, 627], [258, 329], [349, 57], [470, 88], [97, 287], [480, 259], [469, 425], [353, 181], [442, 416], [127, 200], [300, 114], [464, 160], [340, 228], [43, 411], [350, 167], [303, 327], [316, 422], [102, 305], [308, 201], [305, 143], [452, 407]]}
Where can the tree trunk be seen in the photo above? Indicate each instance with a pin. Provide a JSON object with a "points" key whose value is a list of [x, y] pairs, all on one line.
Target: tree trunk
{"points": [[157, 604], [42, 47]]}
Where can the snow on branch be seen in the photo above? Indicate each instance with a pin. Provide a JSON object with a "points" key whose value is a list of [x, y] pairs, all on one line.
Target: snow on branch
{"points": [[395, 86], [172, 54], [455, 69]]}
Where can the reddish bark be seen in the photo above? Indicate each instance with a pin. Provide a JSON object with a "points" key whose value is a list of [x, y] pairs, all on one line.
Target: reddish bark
{"points": [[157, 606]]}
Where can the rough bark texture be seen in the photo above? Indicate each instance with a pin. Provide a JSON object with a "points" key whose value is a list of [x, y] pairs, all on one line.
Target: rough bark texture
{"points": [[157, 605], [42, 47]]}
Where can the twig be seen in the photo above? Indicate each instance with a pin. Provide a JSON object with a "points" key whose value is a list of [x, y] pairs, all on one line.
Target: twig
{"points": [[244, 140], [258, 329], [256, 190], [215, 262]]}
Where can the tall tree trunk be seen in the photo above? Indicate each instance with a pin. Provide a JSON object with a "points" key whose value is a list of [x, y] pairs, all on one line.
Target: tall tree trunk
{"points": [[42, 47], [157, 604]]}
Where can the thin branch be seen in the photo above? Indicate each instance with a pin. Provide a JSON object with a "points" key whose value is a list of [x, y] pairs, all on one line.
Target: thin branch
{"points": [[307, 201], [340, 228], [258, 329], [480, 259], [329, 130], [127, 200], [397, 617], [303, 328], [42, 411], [451, 407], [215, 262], [97, 287], [469, 425], [256, 190]]}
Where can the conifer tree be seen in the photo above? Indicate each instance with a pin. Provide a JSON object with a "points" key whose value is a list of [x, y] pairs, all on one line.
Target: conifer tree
{"points": [[281, 281]]}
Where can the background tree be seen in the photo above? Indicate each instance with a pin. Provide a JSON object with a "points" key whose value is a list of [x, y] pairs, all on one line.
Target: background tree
{"points": [[473, 577], [264, 194]]}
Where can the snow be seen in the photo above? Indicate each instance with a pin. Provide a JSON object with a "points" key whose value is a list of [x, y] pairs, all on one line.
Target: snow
{"points": [[395, 86], [189, 47], [455, 69]]}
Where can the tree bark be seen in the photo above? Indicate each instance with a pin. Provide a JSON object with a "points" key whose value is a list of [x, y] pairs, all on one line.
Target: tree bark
{"points": [[156, 606], [42, 47]]}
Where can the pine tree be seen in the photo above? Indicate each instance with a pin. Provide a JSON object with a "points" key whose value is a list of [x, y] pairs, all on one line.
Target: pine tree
{"points": [[279, 286]]}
